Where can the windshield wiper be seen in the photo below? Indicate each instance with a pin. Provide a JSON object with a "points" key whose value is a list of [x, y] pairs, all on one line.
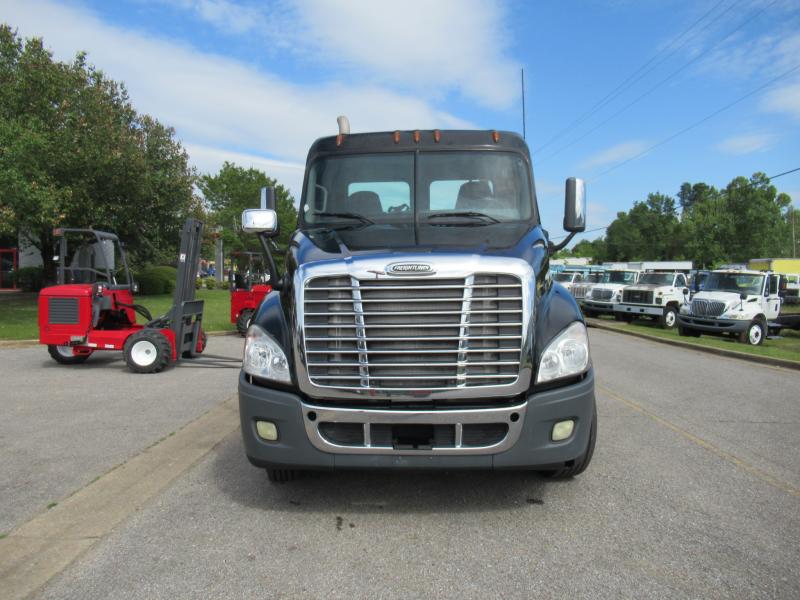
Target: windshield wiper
{"points": [[469, 214], [346, 215]]}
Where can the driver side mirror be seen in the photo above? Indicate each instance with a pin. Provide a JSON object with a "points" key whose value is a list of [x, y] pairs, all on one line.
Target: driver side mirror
{"points": [[575, 205], [260, 220], [685, 291]]}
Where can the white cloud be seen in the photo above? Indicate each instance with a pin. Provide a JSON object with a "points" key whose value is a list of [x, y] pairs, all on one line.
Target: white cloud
{"points": [[747, 143], [208, 160], [219, 103], [614, 154], [432, 46], [784, 99]]}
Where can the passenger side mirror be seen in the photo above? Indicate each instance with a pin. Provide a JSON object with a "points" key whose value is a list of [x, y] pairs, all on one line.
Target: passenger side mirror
{"points": [[575, 205], [260, 220], [685, 291], [742, 296]]}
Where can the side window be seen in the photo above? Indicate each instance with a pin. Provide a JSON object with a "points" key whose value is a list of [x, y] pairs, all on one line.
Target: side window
{"points": [[388, 194], [578, 277], [680, 281], [773, 284]]}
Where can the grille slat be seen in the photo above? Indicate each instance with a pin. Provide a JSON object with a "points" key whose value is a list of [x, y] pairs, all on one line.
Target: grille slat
{"points": [[637, 296], [370, 334], [707, 308]]}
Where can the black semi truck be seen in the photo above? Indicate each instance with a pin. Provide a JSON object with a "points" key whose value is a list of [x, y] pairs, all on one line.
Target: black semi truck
{"points": [[415, 325]]}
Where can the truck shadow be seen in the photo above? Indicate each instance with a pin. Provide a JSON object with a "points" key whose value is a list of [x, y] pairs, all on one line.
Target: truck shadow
{"points": [[376, 492]]}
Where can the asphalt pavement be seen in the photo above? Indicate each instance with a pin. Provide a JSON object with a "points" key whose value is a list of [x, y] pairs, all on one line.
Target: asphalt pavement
{"points": [[64, 425], [694, 492]]}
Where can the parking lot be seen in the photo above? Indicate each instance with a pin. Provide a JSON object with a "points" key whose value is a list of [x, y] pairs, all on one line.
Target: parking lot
{"points": [[694, 491]]}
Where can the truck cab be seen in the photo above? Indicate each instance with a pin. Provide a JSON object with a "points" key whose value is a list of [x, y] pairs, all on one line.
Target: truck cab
{"points": [[603, 296], [658, 295], [416, 326], [737, 302]]}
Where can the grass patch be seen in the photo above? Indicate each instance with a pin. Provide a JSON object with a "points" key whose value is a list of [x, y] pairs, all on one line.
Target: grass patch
{"points": [[52, 505], [787, 346], [19, 312]]}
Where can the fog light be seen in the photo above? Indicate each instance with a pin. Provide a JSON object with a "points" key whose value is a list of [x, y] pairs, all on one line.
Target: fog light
{"points": [[267, 430], [562, 430]]}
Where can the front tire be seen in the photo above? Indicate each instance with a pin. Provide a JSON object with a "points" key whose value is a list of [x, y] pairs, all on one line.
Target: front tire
{"points": [[669, 318], [63, 355], [147, 351], [580, 464], [754, 334], [588, 312], [244, 320]]}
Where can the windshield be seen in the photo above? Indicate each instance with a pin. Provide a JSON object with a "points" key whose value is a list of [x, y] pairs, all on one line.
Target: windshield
{"points": [[739, 283], [390, 199], [621, 277], [657, 278], [563, 277], [597, 277]]}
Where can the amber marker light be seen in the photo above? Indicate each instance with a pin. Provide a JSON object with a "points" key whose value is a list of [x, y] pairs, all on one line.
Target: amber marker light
{"points": [[496, 136], [437, 136], [396, 137], [416, 136]]}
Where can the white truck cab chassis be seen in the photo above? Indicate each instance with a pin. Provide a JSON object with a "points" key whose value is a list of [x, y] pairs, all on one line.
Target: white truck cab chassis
{"points": [[656, 294]]}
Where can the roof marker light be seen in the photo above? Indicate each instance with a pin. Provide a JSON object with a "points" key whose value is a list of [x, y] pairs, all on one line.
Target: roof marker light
{"points": [[416, 136], [396, 137], [496, 136], [437, 136]]}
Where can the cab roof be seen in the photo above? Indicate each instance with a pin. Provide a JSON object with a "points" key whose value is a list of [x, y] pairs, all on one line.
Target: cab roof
{"points": [[421, 139]]}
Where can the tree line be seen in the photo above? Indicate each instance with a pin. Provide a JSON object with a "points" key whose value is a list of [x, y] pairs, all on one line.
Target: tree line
{"points": [[746, 219], [74, 152]]}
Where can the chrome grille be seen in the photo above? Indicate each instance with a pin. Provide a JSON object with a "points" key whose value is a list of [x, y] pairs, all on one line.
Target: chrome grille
{"points": [[411, 334], [602, 294], [579, 290], [637, 296], [707, 308]]}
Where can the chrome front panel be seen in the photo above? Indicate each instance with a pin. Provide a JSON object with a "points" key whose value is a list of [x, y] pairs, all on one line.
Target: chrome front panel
{"points": [[707, 308], [371, 419], [461, 331]]}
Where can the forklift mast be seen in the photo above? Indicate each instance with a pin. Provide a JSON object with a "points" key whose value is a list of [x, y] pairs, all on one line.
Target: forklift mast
{"points": [[186, 315]]}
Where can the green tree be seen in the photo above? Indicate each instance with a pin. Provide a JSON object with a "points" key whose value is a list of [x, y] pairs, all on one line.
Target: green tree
{"points": [[758, 215], [234, 189], [74, 152]]}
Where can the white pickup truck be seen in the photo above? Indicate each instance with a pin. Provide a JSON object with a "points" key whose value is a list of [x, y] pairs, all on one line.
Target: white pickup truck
{"points": [[603, 296], [658, 295], [740, 303]]}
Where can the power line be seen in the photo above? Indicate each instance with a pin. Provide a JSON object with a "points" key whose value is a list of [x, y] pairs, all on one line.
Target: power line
{"points": [[636, 75], [750, 18], [698, 123], [784, 173]]}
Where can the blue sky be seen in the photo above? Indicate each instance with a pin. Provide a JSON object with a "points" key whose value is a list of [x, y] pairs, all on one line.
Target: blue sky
{"points": [[257, 82]]}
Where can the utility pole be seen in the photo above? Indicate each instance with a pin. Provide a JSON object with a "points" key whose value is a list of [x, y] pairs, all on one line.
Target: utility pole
{"points": [[522, 82]]}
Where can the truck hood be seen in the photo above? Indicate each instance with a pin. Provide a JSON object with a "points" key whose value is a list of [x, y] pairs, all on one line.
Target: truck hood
{"points": [[648, 287], [614, 287], [730, 299]]}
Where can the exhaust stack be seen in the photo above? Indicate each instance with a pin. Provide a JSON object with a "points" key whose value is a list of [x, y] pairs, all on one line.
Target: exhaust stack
{"points": [[344, 125]]}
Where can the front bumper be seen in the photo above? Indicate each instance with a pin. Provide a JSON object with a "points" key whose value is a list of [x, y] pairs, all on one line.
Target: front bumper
{"points": [[640, 309], [598, 306], [712, 325], [530, 447]]}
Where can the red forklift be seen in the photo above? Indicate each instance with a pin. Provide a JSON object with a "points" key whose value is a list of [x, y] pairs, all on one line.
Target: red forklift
{"points": [[92, 307], [249, 275]]}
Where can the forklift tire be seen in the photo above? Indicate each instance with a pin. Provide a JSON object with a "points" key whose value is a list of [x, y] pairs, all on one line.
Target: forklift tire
{"points": [[147, 351], [243, 322], [281, 475], [669, 319], [579, 465], [64, 355]]}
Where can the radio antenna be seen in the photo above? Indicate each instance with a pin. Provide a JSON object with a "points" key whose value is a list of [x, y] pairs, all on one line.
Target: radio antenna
{"points": [[522, 82]]}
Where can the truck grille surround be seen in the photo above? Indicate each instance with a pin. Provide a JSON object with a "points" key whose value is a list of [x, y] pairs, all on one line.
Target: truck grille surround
{"points": [[707, 308], [602, 294], [414, 337], [637, 297]]}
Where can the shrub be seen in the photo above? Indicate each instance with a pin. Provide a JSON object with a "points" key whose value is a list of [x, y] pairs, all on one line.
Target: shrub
{"points": [[29, 279], [156, 280], [198, 283], [225, 285], [211, 283]]}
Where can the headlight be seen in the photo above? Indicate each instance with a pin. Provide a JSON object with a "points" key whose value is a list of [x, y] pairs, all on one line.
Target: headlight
{"points": [[738, 315], [567, 354], [263, 357]]}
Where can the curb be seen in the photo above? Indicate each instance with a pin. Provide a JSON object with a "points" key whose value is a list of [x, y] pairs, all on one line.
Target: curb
{"points": [[31, 343], [764, 360]]}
